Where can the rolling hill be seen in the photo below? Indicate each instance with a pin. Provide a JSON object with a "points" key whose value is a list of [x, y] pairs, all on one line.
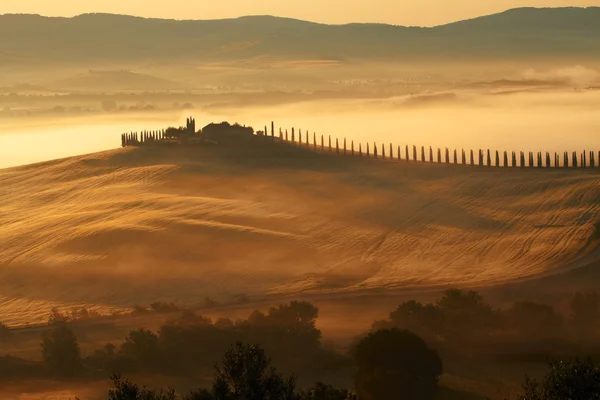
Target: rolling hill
{"points": [[132, 226], [516, 33]]}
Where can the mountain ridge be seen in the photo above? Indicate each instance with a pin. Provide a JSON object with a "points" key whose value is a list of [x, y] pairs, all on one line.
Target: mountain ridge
{"points": [[521, 32]]}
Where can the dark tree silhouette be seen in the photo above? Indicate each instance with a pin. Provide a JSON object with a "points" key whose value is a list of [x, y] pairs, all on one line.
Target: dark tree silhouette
{"points": [[142, 347], [396, 363], [246, 373], [127, 390], [573, 380], [60, 351]]}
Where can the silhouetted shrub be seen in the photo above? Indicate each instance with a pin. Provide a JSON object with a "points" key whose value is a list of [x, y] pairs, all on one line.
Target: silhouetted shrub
{"points": [[573, 380], [127, 390], [396, 362], [60, 352]]}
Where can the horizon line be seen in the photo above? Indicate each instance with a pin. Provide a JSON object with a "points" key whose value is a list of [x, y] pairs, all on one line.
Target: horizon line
{"points": [[294, 19]]}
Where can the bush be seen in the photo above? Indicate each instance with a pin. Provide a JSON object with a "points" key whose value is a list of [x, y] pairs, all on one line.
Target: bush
{"points": [[127, 390], [392, 361], [573, 380], [60, 352]]}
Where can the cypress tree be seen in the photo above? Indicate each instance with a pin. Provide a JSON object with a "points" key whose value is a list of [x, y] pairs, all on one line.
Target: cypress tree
{"points": [[293, 136], [439, 155], [505, 158], [337, 147], [455, 157], [352, 147], [422, 153], [430, 154], [315, 140], [368, 155], [299, 136], [272, 129], [464, 157], [375, 150], [344, 146], [360, 149], [489, 158], [383, 151], [414, 153], [575, 164], [447, 156], [391, 155], [472, 158], [330, 143]]}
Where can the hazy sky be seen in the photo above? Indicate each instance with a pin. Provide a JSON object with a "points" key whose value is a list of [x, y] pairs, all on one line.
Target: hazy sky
{"points": [[401, 12]]}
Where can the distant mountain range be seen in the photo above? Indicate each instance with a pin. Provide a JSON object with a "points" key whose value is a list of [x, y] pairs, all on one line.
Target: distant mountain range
{"points": [[517, 33]]}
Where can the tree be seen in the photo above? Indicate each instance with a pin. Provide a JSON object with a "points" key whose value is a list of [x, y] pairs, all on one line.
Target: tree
{"points": [[60, 351], [142, 347], [246, 374], [465, 315], [573, 380], [424, 320], [393, 361]]}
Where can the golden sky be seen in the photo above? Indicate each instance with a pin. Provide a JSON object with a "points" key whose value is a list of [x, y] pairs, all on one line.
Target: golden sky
{"points": [[400, 12]]}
